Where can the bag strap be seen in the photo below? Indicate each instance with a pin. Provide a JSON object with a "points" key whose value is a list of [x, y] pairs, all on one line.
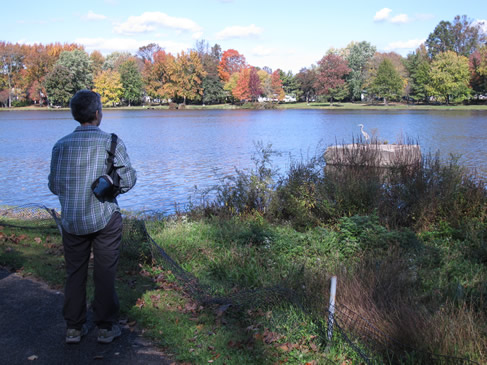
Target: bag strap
{"points": [[111, 154]]}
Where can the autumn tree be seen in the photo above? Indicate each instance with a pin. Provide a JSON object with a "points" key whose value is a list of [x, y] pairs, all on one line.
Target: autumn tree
{"points": [[11, 63], [131, 80], [358, 56], [97, 61], [156, 75], [186, 75], [242, 90], [265, 82], [330, 76], [276, 84], [478, 71], [231, 84], [109, 86], [387, 84], [449, 77], [230, 63], [254, 84], [463, 36]]}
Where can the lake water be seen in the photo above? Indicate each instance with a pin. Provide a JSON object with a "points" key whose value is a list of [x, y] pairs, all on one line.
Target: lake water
{"points": [[174, 151]]}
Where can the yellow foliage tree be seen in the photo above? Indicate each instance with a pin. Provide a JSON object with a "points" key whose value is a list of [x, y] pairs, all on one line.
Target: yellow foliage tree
{"points": [[186, 75], [109, 86]]}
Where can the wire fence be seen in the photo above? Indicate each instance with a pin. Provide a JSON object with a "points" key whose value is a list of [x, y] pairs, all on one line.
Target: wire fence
{"points": [[370, 344]]}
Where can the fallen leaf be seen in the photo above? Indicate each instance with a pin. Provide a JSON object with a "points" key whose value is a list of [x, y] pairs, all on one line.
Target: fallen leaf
{"points": [[140, 303], [33, 357], [38, 240]]}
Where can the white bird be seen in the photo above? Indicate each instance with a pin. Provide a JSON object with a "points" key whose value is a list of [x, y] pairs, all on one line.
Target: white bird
{"points": [[364, 133]]}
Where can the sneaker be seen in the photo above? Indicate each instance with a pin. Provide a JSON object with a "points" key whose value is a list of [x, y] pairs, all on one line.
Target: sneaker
{"points": [[74, 335], [107, 336]]}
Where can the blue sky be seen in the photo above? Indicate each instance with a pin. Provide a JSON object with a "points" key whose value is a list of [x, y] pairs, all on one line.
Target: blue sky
{"points": [[278, 34]]}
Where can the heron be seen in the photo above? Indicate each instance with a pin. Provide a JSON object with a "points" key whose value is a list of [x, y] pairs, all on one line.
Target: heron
{"points": [[364, 133]]}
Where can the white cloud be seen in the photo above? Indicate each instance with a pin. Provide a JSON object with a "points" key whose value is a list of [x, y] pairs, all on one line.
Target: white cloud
{"points": [[197, 35], [483, 26], [109, 45], [151, 21], [239, 32], [410, 44], [382, 14], [262, 51], [93, 16], [401, 19]]}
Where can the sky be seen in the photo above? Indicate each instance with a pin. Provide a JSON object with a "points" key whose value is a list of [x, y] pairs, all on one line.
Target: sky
{"points": [[281, 34]]}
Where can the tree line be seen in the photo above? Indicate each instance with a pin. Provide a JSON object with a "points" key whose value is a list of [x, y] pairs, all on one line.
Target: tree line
{"points": [[451, 66]]}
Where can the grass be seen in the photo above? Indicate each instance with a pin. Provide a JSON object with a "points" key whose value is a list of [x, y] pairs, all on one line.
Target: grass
{"points": [[408, 248]]}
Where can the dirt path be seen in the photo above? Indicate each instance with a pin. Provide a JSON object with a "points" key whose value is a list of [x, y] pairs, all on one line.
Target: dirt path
{"points": [[32, 331]]}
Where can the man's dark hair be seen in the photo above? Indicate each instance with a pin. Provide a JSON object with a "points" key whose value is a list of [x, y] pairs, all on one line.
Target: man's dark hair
{"points": [[84, 105]]}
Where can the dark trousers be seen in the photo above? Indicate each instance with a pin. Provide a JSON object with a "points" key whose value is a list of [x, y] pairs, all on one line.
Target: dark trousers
{"points": [[106, 251]]}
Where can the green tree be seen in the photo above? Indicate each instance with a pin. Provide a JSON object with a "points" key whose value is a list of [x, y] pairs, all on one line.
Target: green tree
{"points": [[59, 87], [290, 84], [79, 64], [388, 83], [109, 86], [418, 66], [213, 91], [357, 56], [463, 36], [449, 77], [306, 79], [115, 59], [131, 80]]}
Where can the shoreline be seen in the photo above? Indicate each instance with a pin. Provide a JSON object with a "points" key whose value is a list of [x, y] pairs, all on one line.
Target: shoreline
{"points": [[320, 106]]}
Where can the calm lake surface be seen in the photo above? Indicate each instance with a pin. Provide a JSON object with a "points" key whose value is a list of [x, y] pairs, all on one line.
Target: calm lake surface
{"points": [[174, 151]]}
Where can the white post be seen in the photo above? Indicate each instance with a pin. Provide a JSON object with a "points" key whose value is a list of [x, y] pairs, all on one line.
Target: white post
{"points": [[331, 309]]}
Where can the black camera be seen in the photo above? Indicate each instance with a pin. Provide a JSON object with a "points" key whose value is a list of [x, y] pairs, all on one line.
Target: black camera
{"points": [[103, 187]]}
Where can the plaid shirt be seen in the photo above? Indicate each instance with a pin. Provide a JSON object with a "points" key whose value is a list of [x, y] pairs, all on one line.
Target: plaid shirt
{"points": [[77, 160]]}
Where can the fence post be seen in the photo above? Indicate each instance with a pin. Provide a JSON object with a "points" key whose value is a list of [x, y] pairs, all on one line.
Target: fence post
{"points": [[331, 308]]}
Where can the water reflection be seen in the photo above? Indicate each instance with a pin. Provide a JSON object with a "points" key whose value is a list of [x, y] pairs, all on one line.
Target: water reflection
{"points": [[174, 151]]}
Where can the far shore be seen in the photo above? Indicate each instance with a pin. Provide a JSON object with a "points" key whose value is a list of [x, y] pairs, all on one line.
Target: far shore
{"points": [[335, 106]]}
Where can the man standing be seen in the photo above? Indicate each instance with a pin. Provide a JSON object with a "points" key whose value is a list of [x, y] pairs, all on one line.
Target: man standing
{"points": [[77, 160]]}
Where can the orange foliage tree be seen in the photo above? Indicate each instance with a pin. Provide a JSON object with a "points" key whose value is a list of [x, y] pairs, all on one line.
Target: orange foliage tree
{"points": [[242, 90], [230, 63]]}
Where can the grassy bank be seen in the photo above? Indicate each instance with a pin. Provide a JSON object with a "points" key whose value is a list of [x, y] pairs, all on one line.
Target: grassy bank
{"points": [[407, 245], [301, 105]]}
